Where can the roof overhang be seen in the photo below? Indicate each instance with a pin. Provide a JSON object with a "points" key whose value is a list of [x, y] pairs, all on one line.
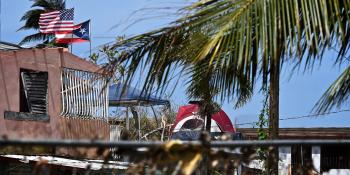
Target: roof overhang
{"points": [[8, 46]]}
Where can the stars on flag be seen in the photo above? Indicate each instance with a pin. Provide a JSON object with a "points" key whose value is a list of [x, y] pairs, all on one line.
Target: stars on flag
{"points": [[60, 22]]}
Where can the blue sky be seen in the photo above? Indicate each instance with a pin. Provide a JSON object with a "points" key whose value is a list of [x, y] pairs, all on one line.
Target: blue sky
{"points": [[297, 96]]}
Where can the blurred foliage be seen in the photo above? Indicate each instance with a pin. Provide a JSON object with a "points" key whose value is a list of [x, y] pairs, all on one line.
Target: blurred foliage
{"points": [[177, 158], [27, 150], [172, 157]]}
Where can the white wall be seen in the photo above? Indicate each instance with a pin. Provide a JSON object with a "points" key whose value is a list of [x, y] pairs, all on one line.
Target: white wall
{"points": [[285, 160], [337, 172]]}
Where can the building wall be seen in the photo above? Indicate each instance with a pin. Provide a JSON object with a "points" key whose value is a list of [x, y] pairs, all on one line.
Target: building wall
{"points": [[50, 60]]}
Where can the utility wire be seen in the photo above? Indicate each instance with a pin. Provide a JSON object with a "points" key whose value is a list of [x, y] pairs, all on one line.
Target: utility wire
{"points": [[299, 117]]}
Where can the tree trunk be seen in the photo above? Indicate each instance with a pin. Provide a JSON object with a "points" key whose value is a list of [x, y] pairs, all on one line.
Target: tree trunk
{"points": [[274, 114], [208, 117], [207, 112], [208, 109]]}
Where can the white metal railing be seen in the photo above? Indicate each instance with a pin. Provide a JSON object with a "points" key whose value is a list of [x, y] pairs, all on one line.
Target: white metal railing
{"points": [[84, 94]]}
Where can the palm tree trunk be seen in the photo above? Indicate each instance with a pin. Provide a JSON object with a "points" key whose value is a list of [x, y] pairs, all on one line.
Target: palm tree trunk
{"points": [[208, 117], [207, 110], [274, 114]]}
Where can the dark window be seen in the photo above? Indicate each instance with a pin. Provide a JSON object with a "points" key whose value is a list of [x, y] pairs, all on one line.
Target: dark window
{"points": [[193, 124], [301, 159], [335, 157], [33, 95]]}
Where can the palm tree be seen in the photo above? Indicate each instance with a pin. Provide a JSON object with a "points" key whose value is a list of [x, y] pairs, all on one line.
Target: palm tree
{"points": [[32, 16], [241, 41]]}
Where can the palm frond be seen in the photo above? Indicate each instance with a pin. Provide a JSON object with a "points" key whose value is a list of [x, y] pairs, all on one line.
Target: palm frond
{"points": [[41, 3], [239, 39], [50, 5], [336, 94], [31, 19], [36, 37], [207, 84]]}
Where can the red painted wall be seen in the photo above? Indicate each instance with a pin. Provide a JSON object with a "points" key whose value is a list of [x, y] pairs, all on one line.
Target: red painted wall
{"points": [[50, 60]]}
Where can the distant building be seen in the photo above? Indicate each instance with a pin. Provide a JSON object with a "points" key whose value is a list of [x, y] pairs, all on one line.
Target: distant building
{"points": [[51, 94], [332, 159]]}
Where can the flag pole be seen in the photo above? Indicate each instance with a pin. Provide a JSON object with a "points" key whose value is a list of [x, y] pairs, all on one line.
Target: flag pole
{"points": [[71, 45], [90, 35]]}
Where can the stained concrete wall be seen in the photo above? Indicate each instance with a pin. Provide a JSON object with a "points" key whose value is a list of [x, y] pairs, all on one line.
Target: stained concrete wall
{"points": [[51, 60]]}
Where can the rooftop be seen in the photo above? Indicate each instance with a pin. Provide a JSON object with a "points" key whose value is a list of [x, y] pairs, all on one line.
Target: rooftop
{"points": [[9, 46], [302, 133]]}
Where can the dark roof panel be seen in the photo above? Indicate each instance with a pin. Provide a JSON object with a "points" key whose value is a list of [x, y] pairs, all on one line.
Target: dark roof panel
{"points": [[132, 97], [9, 46]]}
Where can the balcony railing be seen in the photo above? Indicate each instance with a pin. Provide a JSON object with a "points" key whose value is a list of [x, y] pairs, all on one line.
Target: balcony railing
{"points": [[84, 94]]}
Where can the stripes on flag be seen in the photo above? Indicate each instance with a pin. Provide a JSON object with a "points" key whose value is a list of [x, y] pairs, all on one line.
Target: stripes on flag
{"points": [[59, 21]]}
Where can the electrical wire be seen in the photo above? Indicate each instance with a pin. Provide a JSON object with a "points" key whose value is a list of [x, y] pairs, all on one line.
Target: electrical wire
{"points": [[300, 117]]}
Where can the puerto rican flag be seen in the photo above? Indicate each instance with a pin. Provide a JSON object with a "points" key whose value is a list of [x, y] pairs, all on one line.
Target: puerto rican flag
{"points": [[81, 33]]}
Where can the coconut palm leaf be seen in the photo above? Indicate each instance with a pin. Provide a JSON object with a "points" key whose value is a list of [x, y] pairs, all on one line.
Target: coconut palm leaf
{"points": [[31, 18], [50, 5], [204, 84], [336, 94], [37, 37], [239, 39]]}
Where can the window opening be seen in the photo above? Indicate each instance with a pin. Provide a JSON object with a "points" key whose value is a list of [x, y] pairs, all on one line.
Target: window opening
{"points": [[33, 95]]}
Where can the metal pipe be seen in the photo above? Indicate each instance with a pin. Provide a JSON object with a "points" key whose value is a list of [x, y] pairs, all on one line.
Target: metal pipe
{"points": [[75, 94], [94, 102], [84, 95], [70, 91], [63, 96], [129, 144], [89, 92], [79, 94], [105, 100]]}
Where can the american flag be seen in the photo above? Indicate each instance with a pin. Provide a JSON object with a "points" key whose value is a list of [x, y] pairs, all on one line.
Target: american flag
{"points": [[59, 21]]}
